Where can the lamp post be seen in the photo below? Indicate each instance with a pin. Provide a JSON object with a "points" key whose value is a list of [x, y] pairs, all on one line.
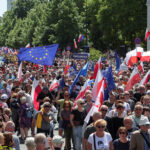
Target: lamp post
{"points": [[148, 22], [86, 25]]}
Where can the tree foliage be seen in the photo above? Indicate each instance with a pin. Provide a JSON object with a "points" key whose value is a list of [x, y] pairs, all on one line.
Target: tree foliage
{"points": [[43, 22]]}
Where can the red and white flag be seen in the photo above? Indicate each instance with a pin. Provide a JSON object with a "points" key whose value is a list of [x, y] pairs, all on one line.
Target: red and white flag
{"points": [[75, 44], [145, 56], [145, 79], [36, 89], [82, 92], [97, 67], [132, 56], [67, 67], [28, 45], [134, 78], [98, 102], [97, 84], [19, 76], [141, 67], [44, 69], [54, 85], [147, 34]]}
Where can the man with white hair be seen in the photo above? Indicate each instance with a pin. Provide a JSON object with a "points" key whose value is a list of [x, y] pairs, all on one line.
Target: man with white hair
{"points": [[40, 140], [30, 143], [10, 127]]}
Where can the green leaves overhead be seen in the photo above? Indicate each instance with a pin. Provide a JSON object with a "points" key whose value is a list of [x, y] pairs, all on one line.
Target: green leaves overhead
{"points": [[43, 22]]}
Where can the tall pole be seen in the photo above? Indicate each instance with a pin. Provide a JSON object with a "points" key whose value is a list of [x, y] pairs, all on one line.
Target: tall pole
{"points": [[148, 22], [86, 25]]}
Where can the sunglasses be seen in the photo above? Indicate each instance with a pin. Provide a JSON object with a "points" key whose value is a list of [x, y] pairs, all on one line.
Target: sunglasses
{"points": [[138, 109], [81, 103], [66, 95], [120, 108], [122, 133], [104, 110], [146, 125], [100, 127]]}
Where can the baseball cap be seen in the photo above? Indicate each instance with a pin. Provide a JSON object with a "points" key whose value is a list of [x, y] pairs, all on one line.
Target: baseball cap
{"points": [[144, 121]]}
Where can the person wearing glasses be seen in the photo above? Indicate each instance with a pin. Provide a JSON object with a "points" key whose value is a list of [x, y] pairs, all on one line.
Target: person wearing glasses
{"points": [[137, 115], [100, 140], [122, 143], [77, 120], [61, 103], [140, 139]]}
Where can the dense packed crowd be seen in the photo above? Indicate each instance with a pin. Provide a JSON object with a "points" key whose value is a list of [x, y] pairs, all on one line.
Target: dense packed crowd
{"points": [[122, 122]]}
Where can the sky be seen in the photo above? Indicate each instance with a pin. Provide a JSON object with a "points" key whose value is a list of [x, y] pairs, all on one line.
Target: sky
{"points": [[3, 6]]}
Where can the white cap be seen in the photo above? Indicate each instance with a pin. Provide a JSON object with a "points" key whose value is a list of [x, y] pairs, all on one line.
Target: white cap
{"points": [[144, 121], [4, 96]]}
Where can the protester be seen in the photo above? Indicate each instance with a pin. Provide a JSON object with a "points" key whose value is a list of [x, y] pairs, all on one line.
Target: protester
{"points": [[127, 122], [122, 143], [77, 120], [140, 138], [42, 120], [137, 116], [24, 120], [100, 139], [90, 129], [65, 116], [61, 102], [40, 140], [30, 143], [8, 141], [10, 127]]}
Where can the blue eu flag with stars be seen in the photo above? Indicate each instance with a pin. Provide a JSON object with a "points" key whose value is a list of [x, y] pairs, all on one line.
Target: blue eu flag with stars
{"points": [[43, 55]]}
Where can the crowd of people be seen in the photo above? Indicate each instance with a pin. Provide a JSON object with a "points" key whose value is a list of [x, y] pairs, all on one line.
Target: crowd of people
{"points": [[122, 122]]}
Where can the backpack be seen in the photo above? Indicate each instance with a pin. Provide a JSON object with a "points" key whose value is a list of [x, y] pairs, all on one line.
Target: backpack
{"points": [[29, 111]]}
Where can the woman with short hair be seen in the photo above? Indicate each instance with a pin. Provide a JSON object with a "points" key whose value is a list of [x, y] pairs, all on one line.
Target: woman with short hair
{"points": [[122, 143], [100, 139]]}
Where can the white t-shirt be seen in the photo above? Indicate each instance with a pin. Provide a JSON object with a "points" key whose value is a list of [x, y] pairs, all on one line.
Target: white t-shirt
{"points": [[102, 143]]}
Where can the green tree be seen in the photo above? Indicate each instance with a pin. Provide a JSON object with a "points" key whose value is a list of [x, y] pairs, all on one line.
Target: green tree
{"points": [[122, 21], [7, 24]]}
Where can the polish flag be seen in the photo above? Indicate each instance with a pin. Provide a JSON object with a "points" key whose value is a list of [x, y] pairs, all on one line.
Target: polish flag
{"points": [[97, 84], [134, 78], [82, 92], [28, 45], [80, 38], [145, 56], [97, 67], [141, 67], [67, 67], [19, 76], [54, 85], [36, 89], [44, 69], [132, 56], [75, 44], [147, 34], [98, 102], [145, 79]]}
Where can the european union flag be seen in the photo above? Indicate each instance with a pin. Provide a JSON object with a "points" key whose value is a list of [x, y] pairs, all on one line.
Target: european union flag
{"points": [[43, 55], [109, 78], [82, 72]]}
